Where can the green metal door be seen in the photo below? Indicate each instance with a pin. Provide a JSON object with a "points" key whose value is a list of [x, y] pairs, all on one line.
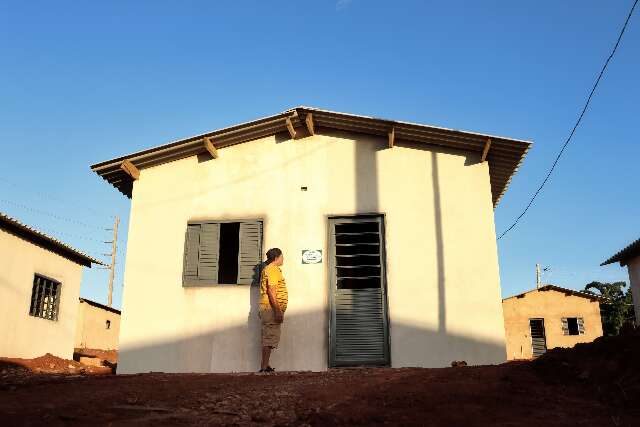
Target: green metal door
{"points": [[359, 331]]}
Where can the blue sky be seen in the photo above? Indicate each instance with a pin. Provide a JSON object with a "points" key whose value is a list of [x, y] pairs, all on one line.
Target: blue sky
{"points": [[85, 82]]}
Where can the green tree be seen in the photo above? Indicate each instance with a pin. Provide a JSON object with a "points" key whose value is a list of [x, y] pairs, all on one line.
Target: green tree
{"points": [[617, 307]]}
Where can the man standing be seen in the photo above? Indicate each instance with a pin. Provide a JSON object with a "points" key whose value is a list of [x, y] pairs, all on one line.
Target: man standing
{"points": [[273, 304]]}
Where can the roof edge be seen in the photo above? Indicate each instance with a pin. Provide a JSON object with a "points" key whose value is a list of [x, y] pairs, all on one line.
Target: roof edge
{"points": [[505, 155], [551, 287], [41, 239], [630, 251], [102, 306]]}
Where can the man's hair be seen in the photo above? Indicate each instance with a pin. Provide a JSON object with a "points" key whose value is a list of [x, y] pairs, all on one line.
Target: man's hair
{"points": [[272, 254]]}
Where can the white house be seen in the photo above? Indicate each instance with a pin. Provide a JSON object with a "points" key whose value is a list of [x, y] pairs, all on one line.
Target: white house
{"points": [[39, 290], [387, 229], [98, 326]]}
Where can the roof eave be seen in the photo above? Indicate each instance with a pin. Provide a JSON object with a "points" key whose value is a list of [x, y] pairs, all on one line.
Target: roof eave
{"points": [[39, 238], [505, 157]]}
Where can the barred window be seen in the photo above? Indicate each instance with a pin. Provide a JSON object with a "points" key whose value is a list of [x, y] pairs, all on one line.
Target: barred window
{"points": [[45, 298]]}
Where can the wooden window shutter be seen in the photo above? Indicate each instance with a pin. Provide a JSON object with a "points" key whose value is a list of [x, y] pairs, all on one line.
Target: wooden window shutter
{"points": [[565, 326], [249, 255], [191, 251], [208, 252], [580, 325]]}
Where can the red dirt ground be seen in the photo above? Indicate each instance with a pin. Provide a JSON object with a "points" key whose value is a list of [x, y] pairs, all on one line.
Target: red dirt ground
{"points": [[110, 356], [595, 384]]}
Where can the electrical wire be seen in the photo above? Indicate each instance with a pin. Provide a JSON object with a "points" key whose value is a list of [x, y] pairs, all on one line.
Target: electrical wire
{"points": [[53, 232], [584, 109], [52, 215], [49, 197]]}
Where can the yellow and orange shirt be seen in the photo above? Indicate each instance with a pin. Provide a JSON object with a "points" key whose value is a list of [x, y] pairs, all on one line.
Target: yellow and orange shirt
{"points": [[272, 276]]}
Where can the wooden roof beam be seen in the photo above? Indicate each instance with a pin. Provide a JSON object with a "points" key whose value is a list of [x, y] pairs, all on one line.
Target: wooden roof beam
{"points": [[485, 150], [130, 169], [392, 137], [309, 122], [211, 149], [290, 128]]}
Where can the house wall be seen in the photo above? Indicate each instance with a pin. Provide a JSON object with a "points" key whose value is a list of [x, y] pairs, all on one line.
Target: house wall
{"points": [[442, 268], [22, 335], [551, 306], [92, 331], [633, 266]]}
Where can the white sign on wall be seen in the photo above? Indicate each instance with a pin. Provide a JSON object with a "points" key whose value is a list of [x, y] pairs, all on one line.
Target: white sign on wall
{"points": [[312, 256]]}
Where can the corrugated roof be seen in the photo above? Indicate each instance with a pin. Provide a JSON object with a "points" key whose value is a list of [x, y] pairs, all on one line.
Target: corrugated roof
{"points": [[504, 157], [550, 287], [631, 251], [39, 238]]}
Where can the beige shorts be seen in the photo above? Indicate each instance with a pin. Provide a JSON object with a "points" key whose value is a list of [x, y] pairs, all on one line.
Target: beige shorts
{"points": [[270, 329]]}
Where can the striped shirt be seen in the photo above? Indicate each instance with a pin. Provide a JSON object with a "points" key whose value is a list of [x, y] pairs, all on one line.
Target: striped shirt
{"points": [[272, 276]]}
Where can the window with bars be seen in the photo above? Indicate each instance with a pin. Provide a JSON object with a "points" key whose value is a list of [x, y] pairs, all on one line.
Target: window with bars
{"points": [[222, 252], [45, 298]]}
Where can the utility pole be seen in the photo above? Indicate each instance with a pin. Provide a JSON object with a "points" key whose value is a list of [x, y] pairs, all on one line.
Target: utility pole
{"points": [[537, 276], [112, 267]]}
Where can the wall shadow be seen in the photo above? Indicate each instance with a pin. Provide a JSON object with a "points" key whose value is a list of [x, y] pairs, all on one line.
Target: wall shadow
{"points": [[214, 351], [253, 318], [436, 189], [366, 174], [442, 300]]}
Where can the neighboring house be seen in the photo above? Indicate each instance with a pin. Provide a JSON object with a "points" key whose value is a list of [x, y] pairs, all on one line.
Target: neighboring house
{"points": [[549, 317], [98, 326], [630, 256], [387, 230], [39, 290]]}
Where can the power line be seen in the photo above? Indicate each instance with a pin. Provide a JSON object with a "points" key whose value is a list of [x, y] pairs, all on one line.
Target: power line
{"points": [[50, 214], [48, 197], [53, 232], [584, 109]]}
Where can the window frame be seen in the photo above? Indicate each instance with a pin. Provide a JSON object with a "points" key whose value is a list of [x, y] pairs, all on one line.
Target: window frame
{"points": [[579, 325], [189, 282], [38, 312]]}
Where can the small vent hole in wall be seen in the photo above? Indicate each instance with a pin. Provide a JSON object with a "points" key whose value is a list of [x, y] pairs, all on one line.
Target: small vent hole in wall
{"points": [[108, 324], [303, 188]]}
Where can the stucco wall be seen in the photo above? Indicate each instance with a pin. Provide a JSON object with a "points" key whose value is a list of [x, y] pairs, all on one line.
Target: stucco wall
{"points": [[22, 335], [92, 331], [442, 267], [633, 266], [551, 306]]}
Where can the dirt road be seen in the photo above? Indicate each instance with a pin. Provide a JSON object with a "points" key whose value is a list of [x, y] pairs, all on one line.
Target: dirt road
{"points": [[594, 385]]}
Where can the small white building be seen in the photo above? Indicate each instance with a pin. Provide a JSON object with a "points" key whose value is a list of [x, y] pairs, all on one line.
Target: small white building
{"points": [[387, 230], [98, 326], [630, 257], [39, 290]]}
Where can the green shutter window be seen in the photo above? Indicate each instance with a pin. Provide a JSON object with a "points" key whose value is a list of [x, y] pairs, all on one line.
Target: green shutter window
{"points": [[565, 326], [191, 250], [208, 253], [222, 252], [249, 255], [580, 325]]}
